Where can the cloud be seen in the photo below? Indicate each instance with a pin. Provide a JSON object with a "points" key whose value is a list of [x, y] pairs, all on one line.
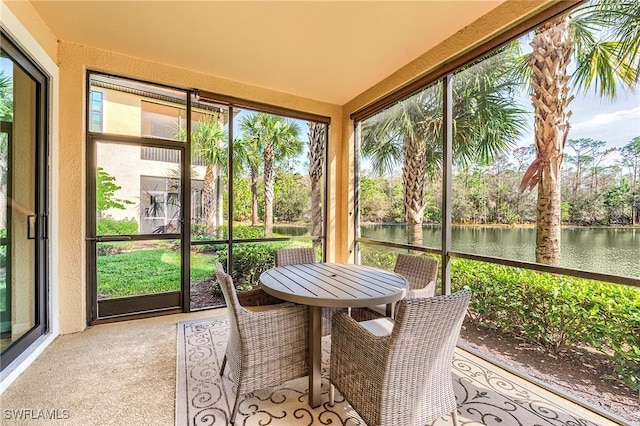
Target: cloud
{"points": [[599, 121]]}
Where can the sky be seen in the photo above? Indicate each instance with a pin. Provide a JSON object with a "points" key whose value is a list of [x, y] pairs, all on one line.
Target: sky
{"points": [[615, 122], [6, 66]]}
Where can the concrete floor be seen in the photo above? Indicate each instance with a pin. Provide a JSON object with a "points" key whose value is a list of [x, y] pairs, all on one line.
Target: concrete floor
{"points": [[110, 374]]}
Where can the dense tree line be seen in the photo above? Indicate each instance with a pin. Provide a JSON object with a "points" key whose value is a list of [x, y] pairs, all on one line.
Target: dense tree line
{"points": [[595, 189]]}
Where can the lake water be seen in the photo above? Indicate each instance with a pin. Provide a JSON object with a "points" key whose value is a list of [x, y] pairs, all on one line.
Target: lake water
{"points": [[613, 251]]}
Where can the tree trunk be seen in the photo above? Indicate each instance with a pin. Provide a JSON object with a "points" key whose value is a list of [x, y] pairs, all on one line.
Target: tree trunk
{"points": [[548, 216], [209, 201], [254, 197], [219, 200], [413, 179], [549, 59], [269, 181], [635, 212], [219, 172], [317, 138]]}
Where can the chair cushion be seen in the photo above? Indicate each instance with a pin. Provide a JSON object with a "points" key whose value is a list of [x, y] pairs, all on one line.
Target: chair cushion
{"points": [[421, 293], [378, 327]]}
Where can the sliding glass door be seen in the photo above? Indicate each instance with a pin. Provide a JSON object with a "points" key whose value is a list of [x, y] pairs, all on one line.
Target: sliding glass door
{"points": [[23, 203]]}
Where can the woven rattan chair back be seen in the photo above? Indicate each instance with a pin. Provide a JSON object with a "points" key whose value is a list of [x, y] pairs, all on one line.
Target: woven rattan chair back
{"points": [[419, 271], [234, 346], [293, 256], [401, 379], [265, 348], [418, 385]]}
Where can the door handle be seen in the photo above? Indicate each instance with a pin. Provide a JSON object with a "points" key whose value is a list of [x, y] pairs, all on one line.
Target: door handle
{"points": [[31, 227]]}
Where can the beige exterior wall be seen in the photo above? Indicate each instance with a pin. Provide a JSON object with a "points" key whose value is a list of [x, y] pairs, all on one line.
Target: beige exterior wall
{"points": [[122, 115], [497, 21]]}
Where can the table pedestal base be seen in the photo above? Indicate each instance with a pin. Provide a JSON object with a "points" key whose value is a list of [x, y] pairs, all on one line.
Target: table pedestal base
{"points": [[315, 350]]}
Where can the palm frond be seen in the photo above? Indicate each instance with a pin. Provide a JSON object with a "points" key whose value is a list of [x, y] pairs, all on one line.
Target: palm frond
{"points": [[606, 37]]}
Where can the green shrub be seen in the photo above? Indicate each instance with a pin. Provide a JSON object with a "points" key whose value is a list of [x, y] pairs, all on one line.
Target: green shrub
{"points": [[245, 232], [250, 260], [106, 249], [110, 226], [240, 232], [556, 312], [377, 258]]}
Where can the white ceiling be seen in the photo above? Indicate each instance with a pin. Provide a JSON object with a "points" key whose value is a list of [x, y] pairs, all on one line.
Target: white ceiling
{"points": [[330, 51]]}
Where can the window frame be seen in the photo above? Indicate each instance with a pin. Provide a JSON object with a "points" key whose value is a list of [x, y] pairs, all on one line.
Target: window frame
{"points": [[443, 75]]}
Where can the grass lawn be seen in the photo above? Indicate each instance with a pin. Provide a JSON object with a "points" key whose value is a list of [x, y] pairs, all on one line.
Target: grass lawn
{"points": [[147, 271]]}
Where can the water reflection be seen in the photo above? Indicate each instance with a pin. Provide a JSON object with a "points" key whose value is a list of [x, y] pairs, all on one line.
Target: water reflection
{"points": [[606, 250], [291, 231]]}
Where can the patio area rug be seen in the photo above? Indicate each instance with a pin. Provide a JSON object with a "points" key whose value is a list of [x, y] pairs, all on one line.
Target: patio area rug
{"points": [[486, 395]]}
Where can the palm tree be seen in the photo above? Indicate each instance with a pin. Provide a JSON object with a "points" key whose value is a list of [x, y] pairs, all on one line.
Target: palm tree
{"points": [[6, 97], [209, 144], [248, 151], [603, 40], [317, 144], [486, 122], [278, 139]]}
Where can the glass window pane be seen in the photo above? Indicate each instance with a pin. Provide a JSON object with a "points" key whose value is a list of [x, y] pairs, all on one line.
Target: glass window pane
{"points": [[579, 215], [137, 109], [400, 178], [138, 268], [95, 124], [209, 170], [490, 121], [134, 195], [279, 176], [18, 182], [204, 288]]}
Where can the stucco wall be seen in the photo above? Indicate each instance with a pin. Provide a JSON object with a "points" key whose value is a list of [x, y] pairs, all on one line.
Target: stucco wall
{"points": [[497, 21], [32, 21]]}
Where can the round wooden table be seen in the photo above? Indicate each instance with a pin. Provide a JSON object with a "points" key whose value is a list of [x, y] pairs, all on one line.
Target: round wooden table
{"points": [[332, 285]]}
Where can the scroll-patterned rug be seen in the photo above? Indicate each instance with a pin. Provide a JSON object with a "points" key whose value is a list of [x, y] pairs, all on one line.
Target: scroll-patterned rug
{"points": [[485, 394]]}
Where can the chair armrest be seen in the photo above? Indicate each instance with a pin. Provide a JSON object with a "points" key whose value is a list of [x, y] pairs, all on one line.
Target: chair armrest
{"points": [[358, 362], [349, 337], [283, 329]]}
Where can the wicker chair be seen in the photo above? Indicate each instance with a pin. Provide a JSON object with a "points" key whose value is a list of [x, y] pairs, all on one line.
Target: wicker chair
{"points": [[265, 348], [402, 378], [420, 271], [298, 255], [293, 256]]}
